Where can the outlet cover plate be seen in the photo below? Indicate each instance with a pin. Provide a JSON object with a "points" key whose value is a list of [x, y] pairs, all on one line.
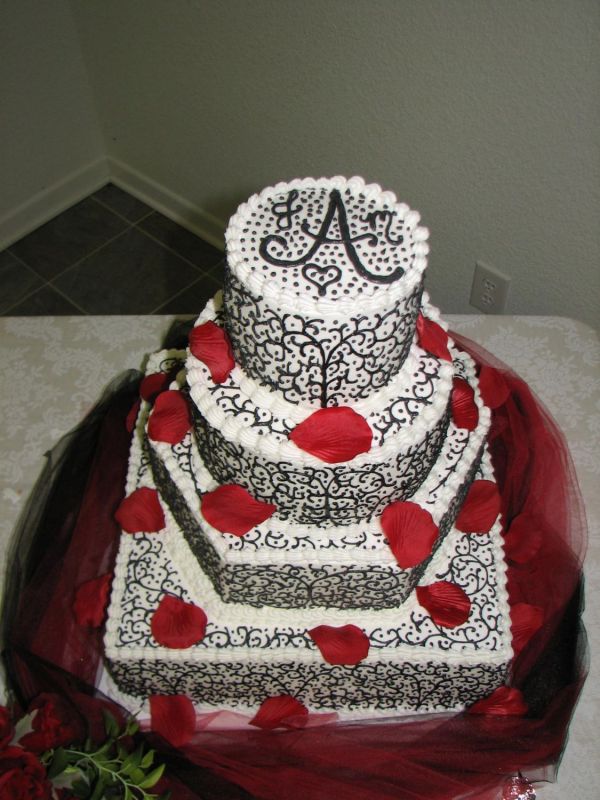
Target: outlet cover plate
{"points": [[489, 291]]}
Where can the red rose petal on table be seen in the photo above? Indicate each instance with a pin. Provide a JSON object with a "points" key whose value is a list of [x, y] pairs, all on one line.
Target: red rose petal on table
{"points": [[231, 509], [132, 416], [523, 539], [333, 434], [141, 512], [275, 711], [173, 717], [152, 385], [465, 413], [493, 387], [446, 603], [178, 624], [410, 531], [480, 508], [91, 597], [170, 419], [433, 338], [210, 344], [525, 620], [504, 701], [344, 645]]}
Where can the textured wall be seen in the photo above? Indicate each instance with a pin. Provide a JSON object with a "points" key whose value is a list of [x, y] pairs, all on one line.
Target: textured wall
{"points": [[48, 126], [481, 114]]}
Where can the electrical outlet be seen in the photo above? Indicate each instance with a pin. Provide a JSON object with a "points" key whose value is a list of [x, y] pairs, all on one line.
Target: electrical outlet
{"points": [[489, 290]]}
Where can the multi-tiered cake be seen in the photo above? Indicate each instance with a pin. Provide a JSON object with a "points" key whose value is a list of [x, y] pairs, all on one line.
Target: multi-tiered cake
{"points": [[310, 508]]}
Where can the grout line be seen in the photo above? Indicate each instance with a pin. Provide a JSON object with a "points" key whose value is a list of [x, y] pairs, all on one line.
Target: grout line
{"points": [[185, 289], [70, 299], [88, 255], [202, 270], [117, 214]]}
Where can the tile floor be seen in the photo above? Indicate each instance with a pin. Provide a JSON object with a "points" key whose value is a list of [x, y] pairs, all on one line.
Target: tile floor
{"points": [[108, 254]]}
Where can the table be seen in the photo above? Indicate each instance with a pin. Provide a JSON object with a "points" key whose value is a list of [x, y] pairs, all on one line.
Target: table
{"points": [[53, 369]]}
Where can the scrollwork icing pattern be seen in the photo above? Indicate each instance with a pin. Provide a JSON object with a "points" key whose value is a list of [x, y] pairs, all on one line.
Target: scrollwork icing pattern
{"points": [[310, 360], [332, 495]]}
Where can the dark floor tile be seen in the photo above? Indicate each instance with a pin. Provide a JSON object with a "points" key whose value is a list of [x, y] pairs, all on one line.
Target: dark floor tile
{"points": [[16, 281], [68, 238], [45, 302], [122, 203], [192, 299], [131, 275], [186, 244]]}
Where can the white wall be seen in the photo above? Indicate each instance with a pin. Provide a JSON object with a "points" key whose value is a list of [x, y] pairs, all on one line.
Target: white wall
{"points": [[51, 148], [482, 114]]}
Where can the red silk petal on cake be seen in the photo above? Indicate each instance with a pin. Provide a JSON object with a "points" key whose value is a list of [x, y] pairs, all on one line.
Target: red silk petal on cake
{"points": [[178, 624], [446, 603], [172, 717], [153, 385], [91, 597], [523, 539], [526, 620], [231, 509], [433, 338], [344, 645], [170, 419], [132, 416], [410, 531], [275, 711], [480, 509], [493, 387], [504, 701], [465, 413], [210, 344], [333, 434], [141, 512]]}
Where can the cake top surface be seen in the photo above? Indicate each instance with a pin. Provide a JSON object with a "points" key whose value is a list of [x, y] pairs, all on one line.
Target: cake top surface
{"points": [[328, 239]]}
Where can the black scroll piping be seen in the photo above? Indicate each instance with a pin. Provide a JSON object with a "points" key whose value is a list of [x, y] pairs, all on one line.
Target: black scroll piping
{"points": [[283, 211]]}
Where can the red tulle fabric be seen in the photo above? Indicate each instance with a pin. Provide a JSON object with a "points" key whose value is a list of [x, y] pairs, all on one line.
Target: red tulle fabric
{"points": [[276, 712], [173, 717], [424, 757]]}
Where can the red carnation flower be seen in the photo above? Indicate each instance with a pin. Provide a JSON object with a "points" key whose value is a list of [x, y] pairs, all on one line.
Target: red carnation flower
{"points": [[6, 727], [210, 344], [54, 724], [22, 776]]}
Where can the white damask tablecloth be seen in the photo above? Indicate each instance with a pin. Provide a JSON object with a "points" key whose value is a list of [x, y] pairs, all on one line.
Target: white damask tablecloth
{"points": [[54, 369]]}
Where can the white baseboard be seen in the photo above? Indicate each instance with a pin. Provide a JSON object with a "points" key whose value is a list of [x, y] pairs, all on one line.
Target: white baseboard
{"points": [[81, 183], [52, 201], [172, 205]]}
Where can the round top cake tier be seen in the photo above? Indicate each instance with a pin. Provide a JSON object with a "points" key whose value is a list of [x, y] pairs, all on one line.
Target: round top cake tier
{"points": [[323, 286]]}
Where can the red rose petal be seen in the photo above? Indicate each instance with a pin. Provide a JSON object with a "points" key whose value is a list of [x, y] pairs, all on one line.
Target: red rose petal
{"points": [[525, 620], [433, 338], [132, 416], [344, 645], [178, 624], [504, 701], [170, 419], [275, 712], [465, 413], [333, 434], [153, 385], [231, 509], [173, 717], [90, 601], [210, 344], [493, 387], [446, 603], [523, 539], [410, 531], [480, 509], [141, 512]]}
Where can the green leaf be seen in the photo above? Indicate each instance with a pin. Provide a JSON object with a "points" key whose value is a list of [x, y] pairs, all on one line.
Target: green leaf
{"points": [[147, 759], [153, 777], [111, 726], [60, 761], [80, 788], [131, 728]]}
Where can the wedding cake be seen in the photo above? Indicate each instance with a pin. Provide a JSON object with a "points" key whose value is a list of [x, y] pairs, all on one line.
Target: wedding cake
{"points": [[310, 510]]}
